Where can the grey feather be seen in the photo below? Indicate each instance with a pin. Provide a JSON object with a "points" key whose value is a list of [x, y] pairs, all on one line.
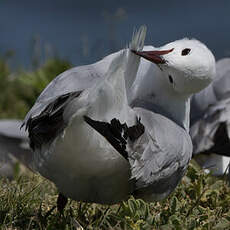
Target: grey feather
{"points": [[203, 132], [209, 110], [218, 90], [221, 86], [72, 80], [14, 144], [167, 152]]}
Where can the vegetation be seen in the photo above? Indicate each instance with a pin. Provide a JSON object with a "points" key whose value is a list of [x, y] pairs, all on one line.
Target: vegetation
{"points": [[199, 202], [19, 90]]}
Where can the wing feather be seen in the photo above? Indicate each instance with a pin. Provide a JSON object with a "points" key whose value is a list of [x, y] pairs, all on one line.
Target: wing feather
{"points": [[165, 157]]}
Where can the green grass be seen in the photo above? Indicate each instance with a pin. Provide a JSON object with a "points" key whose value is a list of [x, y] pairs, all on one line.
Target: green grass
{"points": [[199, 202], [20, 89]]}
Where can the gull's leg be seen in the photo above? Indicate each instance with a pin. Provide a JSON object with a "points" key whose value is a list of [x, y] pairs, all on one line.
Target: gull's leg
{"points": [[61, 202]]}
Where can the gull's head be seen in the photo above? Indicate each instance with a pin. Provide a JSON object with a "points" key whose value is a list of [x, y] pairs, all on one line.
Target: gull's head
{"points": [[188, 65]]}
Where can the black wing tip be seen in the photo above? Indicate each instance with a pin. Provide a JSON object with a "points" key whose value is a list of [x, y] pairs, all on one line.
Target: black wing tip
{"points": [[44, 127], [22, 125], [112, 132], [117, 133], [135, 131], [221, 141]]}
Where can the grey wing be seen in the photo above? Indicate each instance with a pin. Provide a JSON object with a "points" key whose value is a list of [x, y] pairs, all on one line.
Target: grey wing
{"points": [[216, 91], [210, 114], [72, 80], [11, 128], [200, 103], [75, 79], [211, 133], [14, 141], [49, 123], [221, 86], [166, 151]]}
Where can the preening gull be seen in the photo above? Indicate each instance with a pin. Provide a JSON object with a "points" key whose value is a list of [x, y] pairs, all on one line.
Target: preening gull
{"points": [[210, 119], [14, 144], [95, 147]]}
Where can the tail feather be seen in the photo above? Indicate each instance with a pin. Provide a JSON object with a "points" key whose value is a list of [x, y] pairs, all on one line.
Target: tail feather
{"points": [[138, 39], [133, 60]]}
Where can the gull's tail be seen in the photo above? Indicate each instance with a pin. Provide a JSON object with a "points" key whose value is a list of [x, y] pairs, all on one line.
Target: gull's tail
{"points": [[133, 60], [121, 59], [138, 39], [125, 64]]}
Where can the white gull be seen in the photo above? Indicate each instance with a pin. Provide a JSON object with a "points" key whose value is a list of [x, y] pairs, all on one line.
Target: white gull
{"points": [[95, 147]]}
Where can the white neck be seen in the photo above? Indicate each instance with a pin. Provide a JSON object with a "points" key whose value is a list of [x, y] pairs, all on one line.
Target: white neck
{"points": [[152, 89]]}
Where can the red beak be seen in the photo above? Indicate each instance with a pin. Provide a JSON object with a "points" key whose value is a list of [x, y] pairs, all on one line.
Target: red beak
{"points": [[153, 56]]}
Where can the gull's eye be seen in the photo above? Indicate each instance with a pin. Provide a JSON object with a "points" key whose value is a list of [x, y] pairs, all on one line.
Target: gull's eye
{"points": [[185, 51]]}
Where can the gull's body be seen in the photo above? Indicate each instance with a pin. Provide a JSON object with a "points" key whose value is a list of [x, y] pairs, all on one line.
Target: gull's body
{"points": [[14, 144], [96, 148], [210, 116], [89, 159]]}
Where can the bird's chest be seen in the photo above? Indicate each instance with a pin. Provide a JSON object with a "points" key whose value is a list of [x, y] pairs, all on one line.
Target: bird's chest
{"points": [[84, 166]]}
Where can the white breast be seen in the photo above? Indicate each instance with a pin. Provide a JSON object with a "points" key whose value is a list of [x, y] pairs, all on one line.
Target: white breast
{"points": [[86, 167]]}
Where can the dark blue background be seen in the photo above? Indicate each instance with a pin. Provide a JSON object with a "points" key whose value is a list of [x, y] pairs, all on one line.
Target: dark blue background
{"points": [[85, 31]]}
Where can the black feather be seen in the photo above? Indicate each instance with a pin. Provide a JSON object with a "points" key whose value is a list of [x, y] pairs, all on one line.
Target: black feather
{"points": [[221, 141], [49, 123], [116, 133]]}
